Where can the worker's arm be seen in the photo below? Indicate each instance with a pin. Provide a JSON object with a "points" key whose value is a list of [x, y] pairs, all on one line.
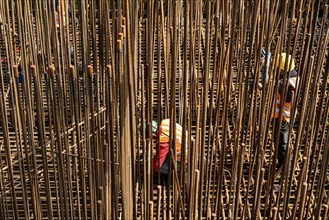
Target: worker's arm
{"points": [[266, 70], [265, 73], [265, 77]]}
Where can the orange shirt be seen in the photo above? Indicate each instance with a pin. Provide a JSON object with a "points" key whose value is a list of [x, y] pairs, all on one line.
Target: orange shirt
{"points": [[286, 106]]}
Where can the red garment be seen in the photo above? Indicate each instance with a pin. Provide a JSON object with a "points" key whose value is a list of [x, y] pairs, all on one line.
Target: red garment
{"points": [[164, 150], [162, 136]]}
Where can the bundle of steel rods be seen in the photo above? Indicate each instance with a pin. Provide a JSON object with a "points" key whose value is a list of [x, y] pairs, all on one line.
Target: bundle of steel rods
{"points": [[82, 80]]}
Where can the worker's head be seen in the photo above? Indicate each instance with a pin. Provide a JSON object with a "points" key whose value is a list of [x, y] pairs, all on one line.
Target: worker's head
{"points": [[286, 62]]}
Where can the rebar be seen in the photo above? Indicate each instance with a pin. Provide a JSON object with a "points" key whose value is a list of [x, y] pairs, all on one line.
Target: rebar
{"points": [[81, 82]]}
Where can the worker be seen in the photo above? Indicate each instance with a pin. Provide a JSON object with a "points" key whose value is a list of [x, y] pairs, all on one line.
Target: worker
{"points": [[287, 66], [162, 157]]}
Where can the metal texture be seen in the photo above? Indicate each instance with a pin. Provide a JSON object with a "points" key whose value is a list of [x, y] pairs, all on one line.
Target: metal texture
{"points": [[81, 82]]}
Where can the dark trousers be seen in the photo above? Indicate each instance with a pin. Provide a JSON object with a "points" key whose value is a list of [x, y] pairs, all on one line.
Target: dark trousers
{"points": [[163, 172], [164, 169], [283, 141]]}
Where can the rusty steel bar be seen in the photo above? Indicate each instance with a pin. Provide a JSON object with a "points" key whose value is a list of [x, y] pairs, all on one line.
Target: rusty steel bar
{"points": [[67, 132]]}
